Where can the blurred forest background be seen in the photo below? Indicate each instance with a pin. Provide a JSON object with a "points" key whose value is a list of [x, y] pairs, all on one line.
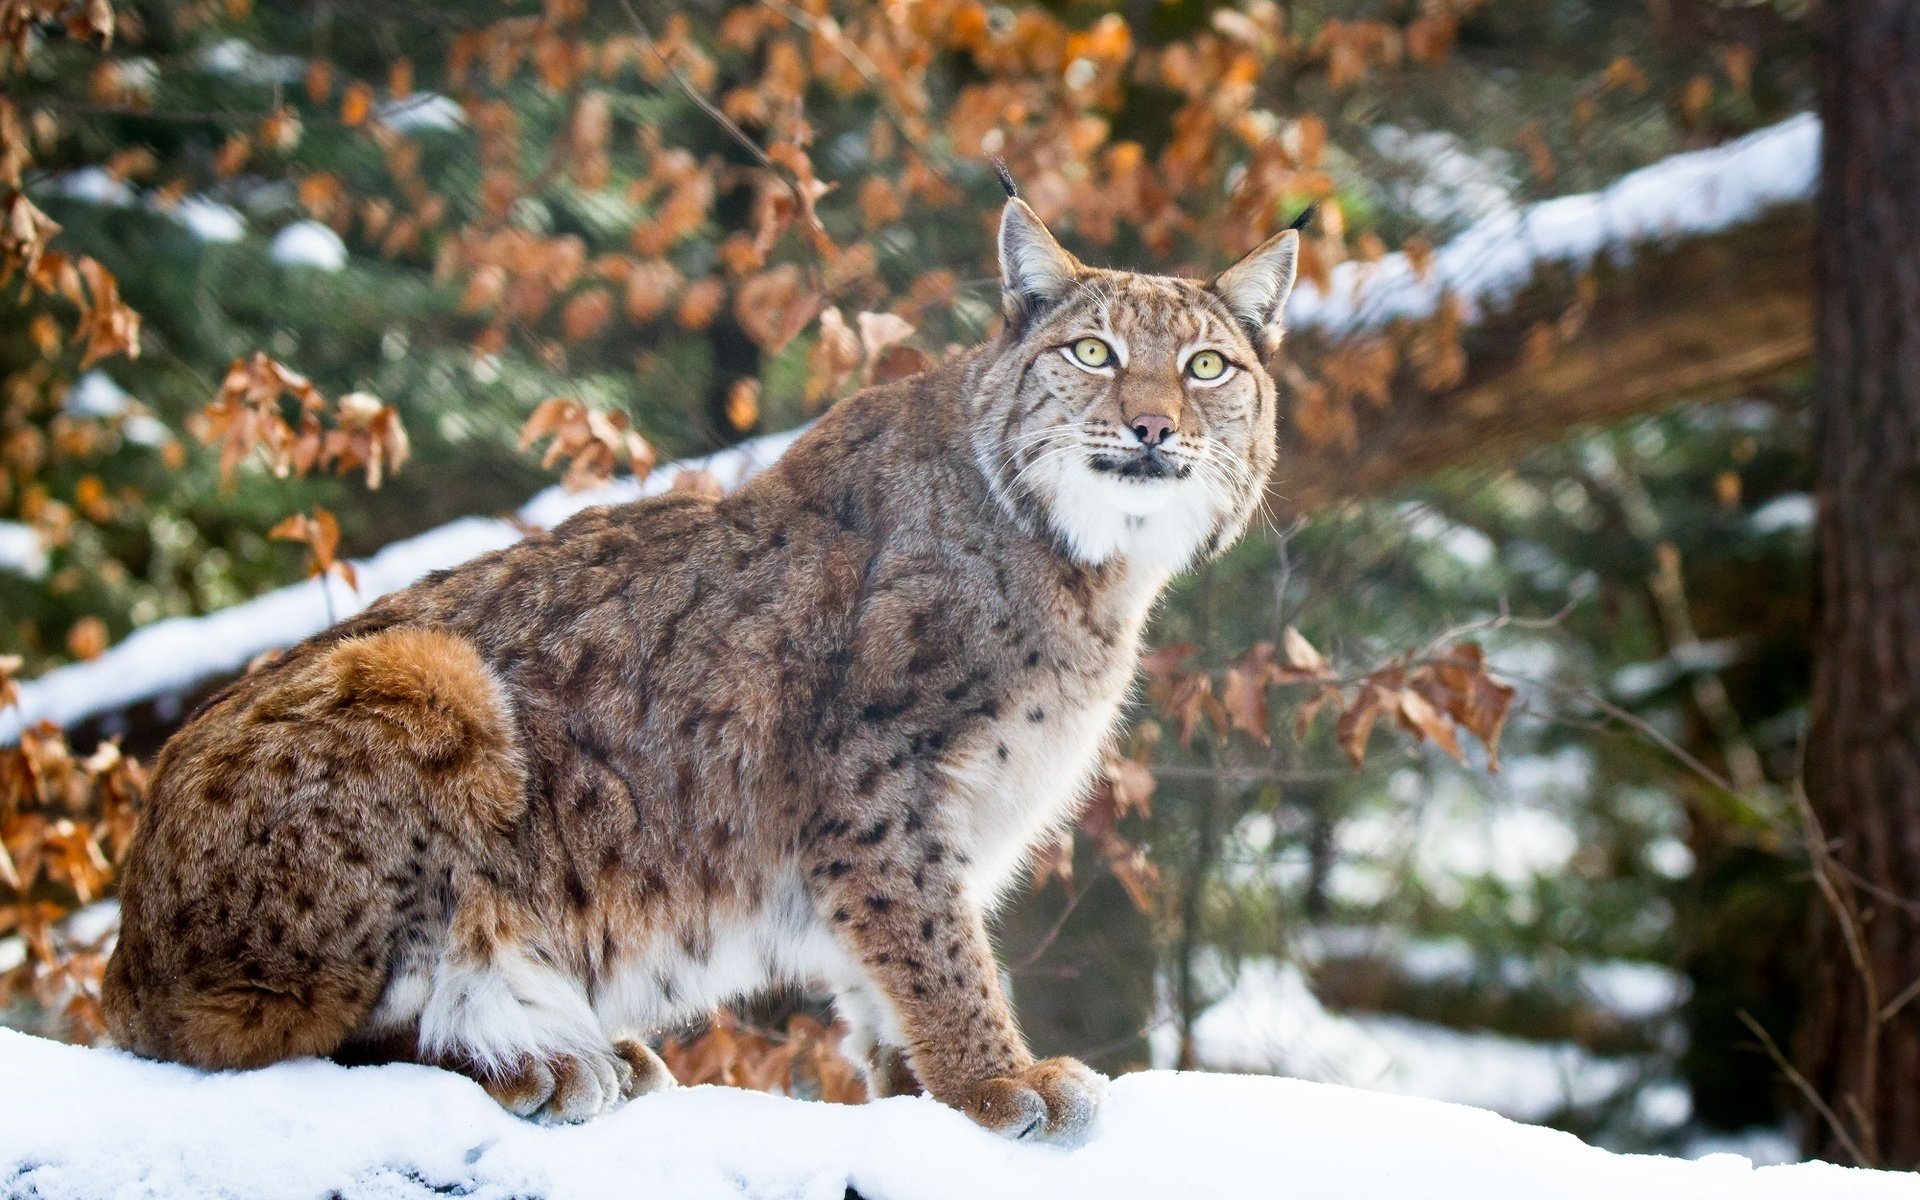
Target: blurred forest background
{"points": [[285, 283]]}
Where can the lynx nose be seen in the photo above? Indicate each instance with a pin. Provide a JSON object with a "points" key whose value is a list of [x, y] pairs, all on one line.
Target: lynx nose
{"points": [[1152, 428]]}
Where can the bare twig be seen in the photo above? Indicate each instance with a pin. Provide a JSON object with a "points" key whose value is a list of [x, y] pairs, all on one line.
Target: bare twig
{"points": [[1892, 1007], [1247, 774], [713, 112], [860, 61], [1051, 935], [1667, 590], [1800, 1083], [1639, 725], [1503, 620]]}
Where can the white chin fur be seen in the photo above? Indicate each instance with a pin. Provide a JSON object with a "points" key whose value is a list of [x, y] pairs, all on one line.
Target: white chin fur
{"points": [[1157, 522]]}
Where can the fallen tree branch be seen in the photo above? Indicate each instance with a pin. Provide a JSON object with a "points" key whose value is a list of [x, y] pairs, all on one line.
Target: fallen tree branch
{"points": [[1698, 284]]}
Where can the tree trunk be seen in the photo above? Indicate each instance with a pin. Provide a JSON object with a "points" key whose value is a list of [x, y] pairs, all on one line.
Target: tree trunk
{"points": [[1860, 1054]]}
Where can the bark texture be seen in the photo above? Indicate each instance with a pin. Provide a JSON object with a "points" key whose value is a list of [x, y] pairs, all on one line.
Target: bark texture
{"points": [[1860, 1048]]}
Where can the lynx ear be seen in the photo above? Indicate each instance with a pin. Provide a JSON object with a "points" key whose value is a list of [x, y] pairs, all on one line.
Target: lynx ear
{"points": [[1256, 288], [1034, 271]]}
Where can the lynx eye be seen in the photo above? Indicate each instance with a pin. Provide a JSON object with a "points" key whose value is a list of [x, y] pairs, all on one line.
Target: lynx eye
{"points": [[1208, 364], [1092, 352]]}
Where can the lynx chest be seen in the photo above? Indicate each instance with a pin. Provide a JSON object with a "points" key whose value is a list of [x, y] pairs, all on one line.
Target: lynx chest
{"points": [[1025, 774]]}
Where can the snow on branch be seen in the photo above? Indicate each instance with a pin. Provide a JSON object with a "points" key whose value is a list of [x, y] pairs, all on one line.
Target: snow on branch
{"points": [[1687, 195], [21, 550], [101, 1123], [1693, 194]]}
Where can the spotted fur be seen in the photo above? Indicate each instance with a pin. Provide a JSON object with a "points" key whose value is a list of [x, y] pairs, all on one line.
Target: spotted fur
{"points": [[526, 812]]}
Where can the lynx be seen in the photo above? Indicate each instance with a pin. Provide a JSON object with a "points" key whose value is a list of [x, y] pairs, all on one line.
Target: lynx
{"points": [[516, 818]]}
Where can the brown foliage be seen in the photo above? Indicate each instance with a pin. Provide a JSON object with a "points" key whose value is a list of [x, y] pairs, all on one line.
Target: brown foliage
{"points": [[65, 823], [1123, 788], [1433, 700], [320, 534], [1037, 88], [593, 443], [248, 414], [802, 1061]]}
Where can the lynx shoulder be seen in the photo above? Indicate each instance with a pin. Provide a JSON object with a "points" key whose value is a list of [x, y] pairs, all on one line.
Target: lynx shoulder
{"points": [[518, 817]]}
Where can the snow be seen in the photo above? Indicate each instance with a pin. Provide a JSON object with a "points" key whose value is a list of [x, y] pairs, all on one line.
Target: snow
{"points": [[206, 219], [100, 1123], [171, 657], [1450, 181], [210, 220], [1270, 1022], [1701, 192], [95, 394], [21, 550], [423, 111], [1444, 832], [239, 59], [143, 430], [1634, 991], [1760, 1146], [94, 185], [1794, 512], [308, 244], [1463, 543], [1448, 831], [1636, 682]]}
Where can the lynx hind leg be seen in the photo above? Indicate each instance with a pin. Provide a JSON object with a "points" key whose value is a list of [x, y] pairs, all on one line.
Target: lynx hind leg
{"points": [[503, 1013], [890, 1074], [562, 1088], [241, 1023], [432, 692], [875, 1044], [284, 853]]}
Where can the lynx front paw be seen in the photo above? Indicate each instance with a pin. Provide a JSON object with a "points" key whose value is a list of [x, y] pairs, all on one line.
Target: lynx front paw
{"points": [[563, 1088], [1054, 1099]]}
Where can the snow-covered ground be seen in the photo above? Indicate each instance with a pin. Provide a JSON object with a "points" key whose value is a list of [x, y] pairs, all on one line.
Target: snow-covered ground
{"points": [[1268, 1021], [80, 1124], [1631, 991]]}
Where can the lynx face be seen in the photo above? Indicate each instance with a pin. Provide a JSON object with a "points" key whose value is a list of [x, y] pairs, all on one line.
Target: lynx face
{"points": [[1137, 417]]}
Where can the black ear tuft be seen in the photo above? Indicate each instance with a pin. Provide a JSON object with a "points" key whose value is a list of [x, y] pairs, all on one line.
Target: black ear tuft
{"points": [[1299, 222], [1256, 288], [1034, 271], [1006, 178]]}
